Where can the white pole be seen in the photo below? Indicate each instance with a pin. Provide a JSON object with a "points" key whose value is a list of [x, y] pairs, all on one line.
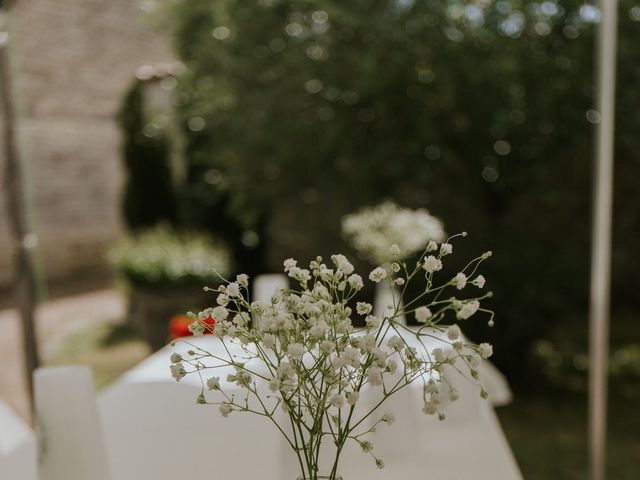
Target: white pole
{"points": [[601, 240]]}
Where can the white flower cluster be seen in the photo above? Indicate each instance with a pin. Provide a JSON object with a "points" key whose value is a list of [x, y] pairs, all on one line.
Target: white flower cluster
{"points": [[314, 363], [373, 230]]}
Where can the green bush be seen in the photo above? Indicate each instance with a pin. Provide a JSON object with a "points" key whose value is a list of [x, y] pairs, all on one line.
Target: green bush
{"points": [[300, 111]]}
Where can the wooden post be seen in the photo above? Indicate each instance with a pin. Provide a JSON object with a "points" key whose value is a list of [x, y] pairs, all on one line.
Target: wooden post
{"points": [[24, 240], [601, 240]]}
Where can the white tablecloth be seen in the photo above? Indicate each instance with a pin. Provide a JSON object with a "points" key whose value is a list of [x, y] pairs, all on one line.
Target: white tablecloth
{"points": [[154, 430]]}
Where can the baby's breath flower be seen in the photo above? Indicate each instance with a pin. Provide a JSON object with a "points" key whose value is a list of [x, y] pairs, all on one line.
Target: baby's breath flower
{"points": [[374, 376], [178, 371], [337, 400], [432, 246], [460, 281], [366, 446], [176, 357], [197, 329], [479, 281], [378, 274], [379, 463], [220, 313], [485, 350], [233, 289], [446, 249], [388, 418], [225, 409], [394, 250], [399, 281], [468, 309], [289, 263], [372, 321], [396, 343], [327, 346], [352, 398], [342, 263], [295, 351], [213, 383], [439, 355], [453, 332], [355, 281], [432, 264], [423, 314], [223, 299], [243, 280], [363, 308], [392, 366]]}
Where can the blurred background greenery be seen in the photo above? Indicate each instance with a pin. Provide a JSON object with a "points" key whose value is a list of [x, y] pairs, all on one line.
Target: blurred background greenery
{"points": [[289, 114]]}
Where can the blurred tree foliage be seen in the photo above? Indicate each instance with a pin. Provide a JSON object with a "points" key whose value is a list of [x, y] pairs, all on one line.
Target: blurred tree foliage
{"points": [[299, 111], [149, 194]]}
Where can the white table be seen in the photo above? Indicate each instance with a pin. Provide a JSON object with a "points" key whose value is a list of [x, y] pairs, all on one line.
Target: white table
{"points": [[154, 430]]}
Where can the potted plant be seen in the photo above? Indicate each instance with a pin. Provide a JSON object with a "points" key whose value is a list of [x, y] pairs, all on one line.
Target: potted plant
{"points": [[164, 270]]}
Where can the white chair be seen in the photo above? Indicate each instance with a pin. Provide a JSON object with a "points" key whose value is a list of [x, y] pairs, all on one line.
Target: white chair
{"points": [[71, 443], [18, 453]]}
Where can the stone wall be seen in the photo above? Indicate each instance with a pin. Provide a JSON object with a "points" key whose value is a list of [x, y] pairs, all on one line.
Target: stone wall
{"points": [[73, 60]]}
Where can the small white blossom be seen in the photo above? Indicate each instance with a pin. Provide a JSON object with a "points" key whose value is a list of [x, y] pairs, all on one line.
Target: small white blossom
{"points": [[363, 308], [485, 350], [342, 263], [374, 376], [352, 398], [388, 418], [269, 341], [432, 246], [394, 250], [379, 463], [213, 383], [327, 346], [177, 371], [479, 281], [355, 281], [222, 299], [423, 314], [372, 321], [396, 343], [176, 357], [460, 281], [197, 329], [439, 355], [233, 289], [220, 313], [432, 264], [289, 263], [295, 351], [453, 332], [392, 366], [225, 409], [378, 274], [468, 309], [274, 384], [446, 249], [366, 446], [243, 279], [399, 281], [338, 400]]}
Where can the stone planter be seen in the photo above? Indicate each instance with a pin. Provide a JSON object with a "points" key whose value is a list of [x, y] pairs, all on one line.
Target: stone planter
{"points": [[151, 309]]}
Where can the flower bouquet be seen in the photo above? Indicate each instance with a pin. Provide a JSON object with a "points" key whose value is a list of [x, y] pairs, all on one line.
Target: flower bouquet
{"points": [[297, 361]]}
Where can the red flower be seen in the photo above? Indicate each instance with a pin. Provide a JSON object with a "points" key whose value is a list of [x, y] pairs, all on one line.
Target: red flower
{"points": [[179, 326]]}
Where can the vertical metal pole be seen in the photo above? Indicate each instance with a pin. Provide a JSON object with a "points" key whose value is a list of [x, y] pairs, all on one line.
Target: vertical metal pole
{"points": [[25, 241], [601, 240]]}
